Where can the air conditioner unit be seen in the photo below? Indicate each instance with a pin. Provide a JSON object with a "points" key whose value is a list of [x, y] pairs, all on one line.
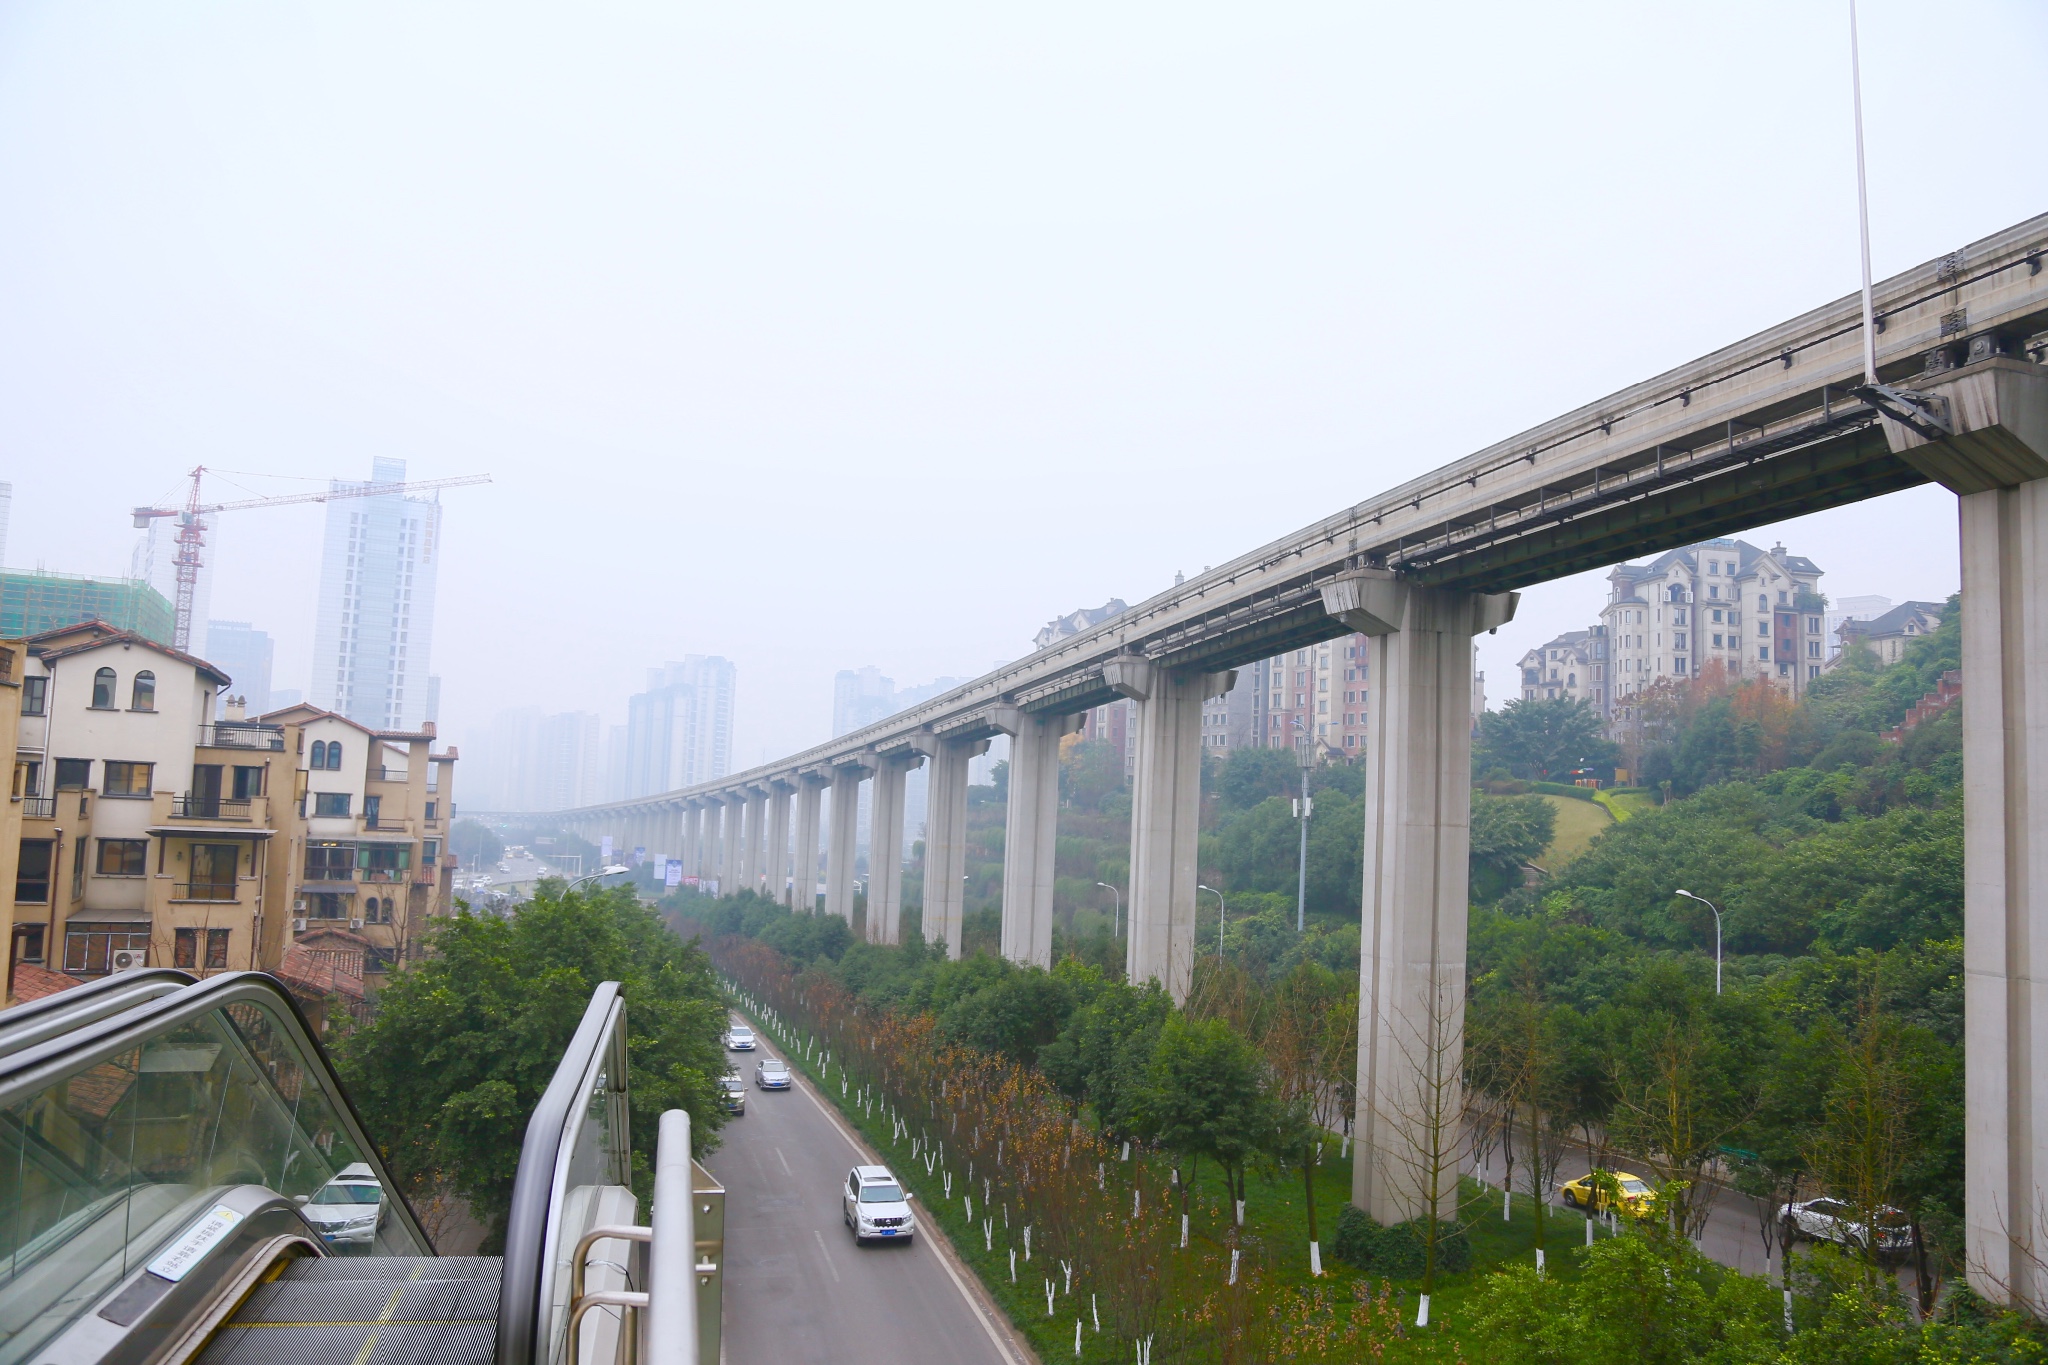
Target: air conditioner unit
{"points": [[355, 924], [129, 959], [298, 926]]}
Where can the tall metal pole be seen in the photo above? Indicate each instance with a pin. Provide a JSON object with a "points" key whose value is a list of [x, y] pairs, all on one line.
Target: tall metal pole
{"points": [[1301, 861], [1862, 204]]}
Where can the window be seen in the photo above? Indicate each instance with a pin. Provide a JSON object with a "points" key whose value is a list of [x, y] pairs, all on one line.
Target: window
{"points": [[1713, 590], [1813, 649], [32, 872], [89, 949], [325, 905], [103, 690], [1763, 654], [193, 949], [28, 777], [122, 858], [330, 862], [1763, 628], [28, 943], [1717, 642], [373, 806], [434, 806], [142, 696], [377, 910], [213, 871], [127, 779], [334, 756], [1763, 603], [35, 696], [384, 862], [331, 805], [248, 783], [319, 760], [1678, 640], [1717, 617], [1714, 567], [1813, 625], [430, 849]]}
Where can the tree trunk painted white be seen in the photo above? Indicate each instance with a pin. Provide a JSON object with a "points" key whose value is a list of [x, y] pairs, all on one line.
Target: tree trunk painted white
{"points": [[1422, 1311], [1315, 1260]]}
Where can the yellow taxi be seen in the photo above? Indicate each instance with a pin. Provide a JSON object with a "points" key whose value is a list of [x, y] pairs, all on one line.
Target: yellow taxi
{"points": [[1585, 1195]]}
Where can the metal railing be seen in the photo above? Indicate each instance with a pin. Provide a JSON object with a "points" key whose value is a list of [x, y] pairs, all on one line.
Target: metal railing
{"points": [[204, 891], [190, 807], [230, 736], [38, 807]]}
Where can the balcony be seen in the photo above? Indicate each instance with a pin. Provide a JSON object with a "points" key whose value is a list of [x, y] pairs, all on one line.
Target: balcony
{"points": [[203, 891], [190, 807], [229, 735], [38, 807]]}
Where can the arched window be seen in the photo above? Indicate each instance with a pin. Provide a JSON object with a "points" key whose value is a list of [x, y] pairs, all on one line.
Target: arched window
{"points": [[103, 690], [334, 756], [319, 755], [370, 915], [143, 696]]}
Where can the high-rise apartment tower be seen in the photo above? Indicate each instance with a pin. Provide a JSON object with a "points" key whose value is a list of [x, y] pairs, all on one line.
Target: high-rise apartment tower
{"points": [[375, 626]]}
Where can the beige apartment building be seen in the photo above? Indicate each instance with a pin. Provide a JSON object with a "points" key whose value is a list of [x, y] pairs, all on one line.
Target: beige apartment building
{"points": [[151, 834]]}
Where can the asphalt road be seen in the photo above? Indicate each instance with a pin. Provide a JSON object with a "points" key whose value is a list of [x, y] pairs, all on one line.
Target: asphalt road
{"points": [[797, 1290]]}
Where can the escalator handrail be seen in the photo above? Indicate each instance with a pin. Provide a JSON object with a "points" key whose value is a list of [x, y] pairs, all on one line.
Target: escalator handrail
{"points": [[61, 1011], [44, 1064], [523, 1295]]}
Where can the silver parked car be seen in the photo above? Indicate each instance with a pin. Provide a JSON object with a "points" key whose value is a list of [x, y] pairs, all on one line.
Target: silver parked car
{"points": [[347, 1209], [1834, 1220]]}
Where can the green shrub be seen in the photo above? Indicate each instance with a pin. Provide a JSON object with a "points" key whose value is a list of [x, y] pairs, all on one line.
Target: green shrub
{"points": [[1397, 1252]]}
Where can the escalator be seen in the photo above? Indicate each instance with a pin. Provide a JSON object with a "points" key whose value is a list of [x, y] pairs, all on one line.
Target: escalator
{"points": [[183, 1179]]}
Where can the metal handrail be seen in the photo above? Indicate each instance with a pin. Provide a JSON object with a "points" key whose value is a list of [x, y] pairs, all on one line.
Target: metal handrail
{"points": [[578, 1263], [49, 1059], [525, 1297], [672, 1266], [38, 1020], [603, 1298]]}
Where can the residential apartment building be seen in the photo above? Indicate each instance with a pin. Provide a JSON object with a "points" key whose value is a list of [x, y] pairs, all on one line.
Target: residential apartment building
{"points": [[34, 602], [679, 731], [153, 834], [374, 627], [1887, 636], [1573, 667], [1722, 604], [245, 654], [1865, 608]]}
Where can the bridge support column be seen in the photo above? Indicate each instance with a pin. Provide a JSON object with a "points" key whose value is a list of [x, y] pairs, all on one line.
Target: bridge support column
{"points": [[842, 842], [1166, 817], [1996, 460], [804, 870], [732, 847], [885, 848], [775, 870], [1029, 832], [945, 837], [692, 839], [755, 860], [1410, 1128]]}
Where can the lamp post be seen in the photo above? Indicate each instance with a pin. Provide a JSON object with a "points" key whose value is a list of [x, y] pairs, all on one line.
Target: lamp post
{"points": [[1305, 752], [611, 871], [1220, 912], [1117, 920], [1717, 933]]}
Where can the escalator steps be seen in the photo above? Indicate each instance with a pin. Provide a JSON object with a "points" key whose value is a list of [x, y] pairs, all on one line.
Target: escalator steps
{"points": [[367, 1310]]}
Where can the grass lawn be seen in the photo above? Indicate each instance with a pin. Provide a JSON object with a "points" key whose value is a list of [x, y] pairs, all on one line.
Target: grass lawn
{"points": [[1275, 1242], [1628, 803], [1578, 823]]}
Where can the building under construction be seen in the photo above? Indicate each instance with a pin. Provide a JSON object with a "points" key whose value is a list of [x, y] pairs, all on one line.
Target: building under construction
{"points": [[31, 602]]}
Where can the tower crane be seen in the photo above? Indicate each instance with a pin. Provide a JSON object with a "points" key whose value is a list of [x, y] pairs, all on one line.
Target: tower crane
{"points": [[192, 531]]}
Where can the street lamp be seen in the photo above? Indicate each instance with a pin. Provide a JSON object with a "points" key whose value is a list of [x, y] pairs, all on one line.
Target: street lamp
{"points": [[1117, 921], [1220, 911], [1717, 933], [1305, 751], [611, 871]]}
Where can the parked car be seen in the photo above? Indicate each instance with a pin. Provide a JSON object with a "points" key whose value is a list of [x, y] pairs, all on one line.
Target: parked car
{"points": [[876, 1206], [735, 1092], [1583, 1194], [740, 1038], [771, 1073], [1833, 1220], [347, 1210]]}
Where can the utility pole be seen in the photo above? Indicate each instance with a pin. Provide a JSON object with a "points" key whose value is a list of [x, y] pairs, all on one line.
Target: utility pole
{"points": [[1302, 809]]}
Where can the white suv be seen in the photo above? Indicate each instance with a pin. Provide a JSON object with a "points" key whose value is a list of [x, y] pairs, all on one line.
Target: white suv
{"points": [[875, 1205]]}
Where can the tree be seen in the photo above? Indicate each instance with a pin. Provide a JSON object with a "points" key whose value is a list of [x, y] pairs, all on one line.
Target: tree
{"points": [[1507, 832], [463, 1043], [1202, 1096], [1543, 740]]}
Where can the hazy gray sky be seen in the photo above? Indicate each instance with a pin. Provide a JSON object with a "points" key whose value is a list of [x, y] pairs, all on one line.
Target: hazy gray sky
{"points": [[819, 335]]}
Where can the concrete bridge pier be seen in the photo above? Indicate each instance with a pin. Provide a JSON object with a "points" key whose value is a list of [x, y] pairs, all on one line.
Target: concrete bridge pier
{"points": [[885, 847], [1029, 831], [945, 837], [755, 859], [1166, 816], [776, 869], [1995, 458], [803, 890], [1418, 809], [722, 829], [693, 840], [842, 840]]}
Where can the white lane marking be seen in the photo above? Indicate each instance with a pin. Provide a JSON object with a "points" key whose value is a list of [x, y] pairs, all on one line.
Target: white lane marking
{"points": [[974, 1304], [822, 1251], [785, 1164]]}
